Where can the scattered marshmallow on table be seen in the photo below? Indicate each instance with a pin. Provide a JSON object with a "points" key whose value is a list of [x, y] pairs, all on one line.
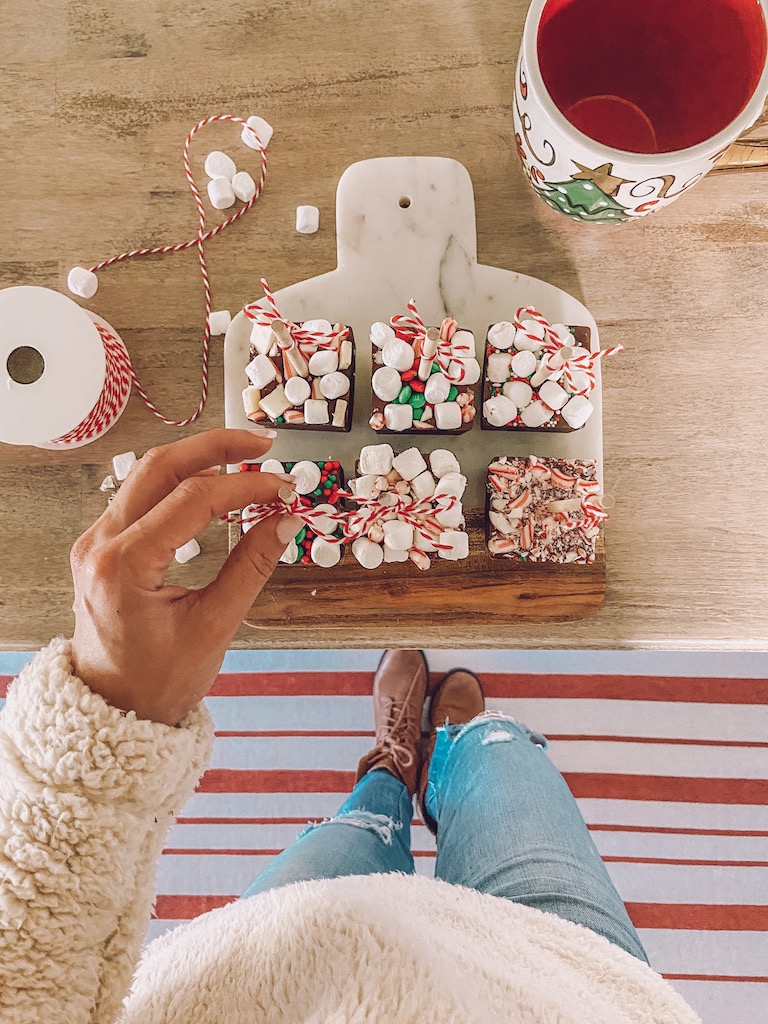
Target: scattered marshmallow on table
{"points": [[219, 321], [187, 551], [220, 193], [108, 483], [122, 464], [263, 129], [307, 219], [244, 186], [219, 165], [82, 282]]}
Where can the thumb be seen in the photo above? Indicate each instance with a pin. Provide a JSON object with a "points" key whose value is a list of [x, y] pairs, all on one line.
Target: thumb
{"points": [[228, 598]]}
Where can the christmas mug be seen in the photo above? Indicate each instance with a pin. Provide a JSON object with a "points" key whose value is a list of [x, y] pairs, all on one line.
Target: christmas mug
{"points": [[621, 108]]}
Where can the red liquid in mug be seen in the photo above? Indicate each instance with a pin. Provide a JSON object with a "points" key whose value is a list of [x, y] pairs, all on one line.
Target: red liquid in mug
{"points": [[652, 76]]}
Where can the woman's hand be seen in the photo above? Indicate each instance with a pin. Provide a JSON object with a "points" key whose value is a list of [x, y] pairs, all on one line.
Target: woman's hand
{"points": [[151, 648]]}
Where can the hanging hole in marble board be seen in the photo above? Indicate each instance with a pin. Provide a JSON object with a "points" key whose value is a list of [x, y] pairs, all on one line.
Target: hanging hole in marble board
{"points": [[405, 202]]}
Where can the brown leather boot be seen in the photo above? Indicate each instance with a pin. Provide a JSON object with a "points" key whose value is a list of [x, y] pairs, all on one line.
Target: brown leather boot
{"points": [[457, 700], [399, 692]]}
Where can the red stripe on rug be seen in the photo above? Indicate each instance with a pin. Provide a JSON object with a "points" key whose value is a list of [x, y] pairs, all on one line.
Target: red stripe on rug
{"points": [[715, 977], [688, 862], [581, 737], [679, 916], [583, 785], [497, 684], [699, 917]]}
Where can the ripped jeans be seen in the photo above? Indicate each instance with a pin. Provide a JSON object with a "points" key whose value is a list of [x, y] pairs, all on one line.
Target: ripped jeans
{"points": [[507, 825]]}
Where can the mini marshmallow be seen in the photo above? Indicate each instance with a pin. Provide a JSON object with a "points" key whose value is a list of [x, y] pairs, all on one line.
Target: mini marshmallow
{"points": [[263, 129], [448, 416], [251, 400], [386, 383], [451, 484], [381, 334], [365, 486], [577, 411], [325, 524], [261, 371], [122, 464], [82, 282], [219, 165], [563, 333], [307, 219], [323, 362], [526, 344], [317, 326], [339, 413], [398, 354], [395, 556], [437, 388], [409, 464], [518, 391], [553, 395], [262, 339], [291, 553], [187, 551], [345, 354], [244, 186], [316, 411], [275, 403], [297, 390], [502, 335], [398, 535], [334, 385], [423, 485], [220, 193], [442, 461], [463, 345], [219, 321], [108, 483], [469, 367], [368, 554], [324, 554], [398, 417], [499, 411], [272, 466], [458, 544], [497, 369], [376, 459], [536, 415], [524, 364], [451, 517], [579, 381], [422, 543], [307, 476]]}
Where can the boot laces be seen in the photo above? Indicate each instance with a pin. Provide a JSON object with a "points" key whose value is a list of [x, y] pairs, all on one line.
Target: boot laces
{"points": [[394, 732]]}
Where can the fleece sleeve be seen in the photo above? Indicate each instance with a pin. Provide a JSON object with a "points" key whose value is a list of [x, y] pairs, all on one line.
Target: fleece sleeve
{"points": [[87, 796]]}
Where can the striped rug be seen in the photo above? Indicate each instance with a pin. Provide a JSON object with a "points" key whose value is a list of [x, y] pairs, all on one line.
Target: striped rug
{"points": [[666, 754]]}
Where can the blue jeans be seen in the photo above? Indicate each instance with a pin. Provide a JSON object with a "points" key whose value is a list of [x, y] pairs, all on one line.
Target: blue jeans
{"points": [[507, 825]]}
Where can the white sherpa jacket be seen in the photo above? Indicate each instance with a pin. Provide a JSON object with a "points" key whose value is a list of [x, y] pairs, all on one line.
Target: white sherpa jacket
{"points": [[87, 795]]}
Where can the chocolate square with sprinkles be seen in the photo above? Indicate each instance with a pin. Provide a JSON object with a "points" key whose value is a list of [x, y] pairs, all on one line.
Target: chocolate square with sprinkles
{"points": [[319, 486]]}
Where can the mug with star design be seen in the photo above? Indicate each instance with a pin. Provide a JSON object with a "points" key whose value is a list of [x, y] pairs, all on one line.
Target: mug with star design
{"points": [[621, 108]]}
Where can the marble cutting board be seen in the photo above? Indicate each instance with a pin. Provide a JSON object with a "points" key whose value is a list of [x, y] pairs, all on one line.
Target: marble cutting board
{"points": [[406, 229]]}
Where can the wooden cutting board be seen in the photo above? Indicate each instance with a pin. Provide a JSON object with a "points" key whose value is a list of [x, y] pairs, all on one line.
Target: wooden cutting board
{"points": [[406, 229]]}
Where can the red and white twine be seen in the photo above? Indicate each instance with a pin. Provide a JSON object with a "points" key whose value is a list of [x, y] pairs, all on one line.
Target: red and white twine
{"points": [[413, 329], [308, 342], [120, 374]]}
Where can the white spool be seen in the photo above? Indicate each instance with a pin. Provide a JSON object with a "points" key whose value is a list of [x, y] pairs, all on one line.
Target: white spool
{"points": [[73, 377]]}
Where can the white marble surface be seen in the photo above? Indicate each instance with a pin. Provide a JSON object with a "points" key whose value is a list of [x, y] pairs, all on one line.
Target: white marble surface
{"points": [[388, 254]]}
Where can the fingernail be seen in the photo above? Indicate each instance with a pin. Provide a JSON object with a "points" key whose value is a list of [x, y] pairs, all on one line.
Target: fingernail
{"points": [[287, 528], [262, 431], [285, 494], [287, 477]]}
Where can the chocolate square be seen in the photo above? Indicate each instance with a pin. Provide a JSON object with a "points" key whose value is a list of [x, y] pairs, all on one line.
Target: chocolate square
{"points": [[541, 533], [288, 367], [557, 424]]}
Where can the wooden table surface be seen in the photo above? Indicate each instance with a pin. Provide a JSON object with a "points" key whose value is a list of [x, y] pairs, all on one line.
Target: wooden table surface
{"points": [[96, 100]]}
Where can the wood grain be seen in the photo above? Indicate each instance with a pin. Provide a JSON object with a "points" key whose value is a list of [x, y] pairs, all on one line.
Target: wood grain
{"points": [[93, 120]]}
